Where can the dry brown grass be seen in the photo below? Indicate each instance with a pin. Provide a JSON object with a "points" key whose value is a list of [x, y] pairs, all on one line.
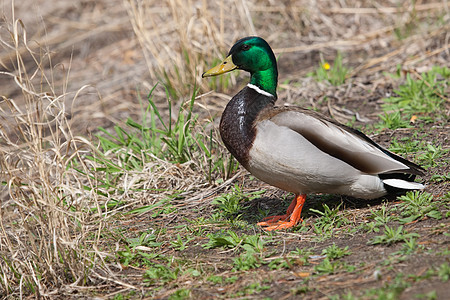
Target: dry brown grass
{"points": [[44, 215], [61, 81], [51, 216], [179, 43]]}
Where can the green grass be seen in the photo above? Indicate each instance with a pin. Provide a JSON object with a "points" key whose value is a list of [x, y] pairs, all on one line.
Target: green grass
{"points": [[230, 206], [329, 221], [230, 239], [443, 272], [431, 155], [178, 141], [392, 120], [327, 267], [393, 288], [440, 178], [180, 294], [161, 273], [159, 208], [392, 235], [247, 261], [410, 246], [390, 290], [180, 243], [405, 145], [381, 216], [417, 205], [423, 97], [334, 252], [426, 153], [131, 254]]}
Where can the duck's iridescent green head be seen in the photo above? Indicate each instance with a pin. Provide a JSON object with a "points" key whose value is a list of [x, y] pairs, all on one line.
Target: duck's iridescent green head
{"points": [[254, 55]]}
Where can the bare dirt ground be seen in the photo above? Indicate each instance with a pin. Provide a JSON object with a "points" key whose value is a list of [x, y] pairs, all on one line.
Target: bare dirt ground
{"points": [[100, 45]]}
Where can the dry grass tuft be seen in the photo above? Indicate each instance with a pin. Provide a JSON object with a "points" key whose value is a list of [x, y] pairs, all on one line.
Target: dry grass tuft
{"points": [[47, 231]]}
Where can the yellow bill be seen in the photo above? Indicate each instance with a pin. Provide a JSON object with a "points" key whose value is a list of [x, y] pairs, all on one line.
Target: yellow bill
{"points": [[225, 66]]}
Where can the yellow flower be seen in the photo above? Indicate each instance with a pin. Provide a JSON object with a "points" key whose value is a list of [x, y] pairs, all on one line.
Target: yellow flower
{"points": [[326, 66]]}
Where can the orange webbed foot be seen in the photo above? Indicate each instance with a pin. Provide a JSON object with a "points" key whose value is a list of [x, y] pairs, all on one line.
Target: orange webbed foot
{"points": [[273, 219], [280, 225], [289, 220]]}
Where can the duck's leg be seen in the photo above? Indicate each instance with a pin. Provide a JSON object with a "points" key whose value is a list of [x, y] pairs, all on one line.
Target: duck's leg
{"points": [[273, 219], [290, 219]]}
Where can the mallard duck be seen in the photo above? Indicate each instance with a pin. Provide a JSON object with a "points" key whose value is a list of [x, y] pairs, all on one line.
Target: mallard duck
{"points": [[298, 150]]}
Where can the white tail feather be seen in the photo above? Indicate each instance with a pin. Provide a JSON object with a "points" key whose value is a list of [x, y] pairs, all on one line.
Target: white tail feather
{"points": [[403, 184]]}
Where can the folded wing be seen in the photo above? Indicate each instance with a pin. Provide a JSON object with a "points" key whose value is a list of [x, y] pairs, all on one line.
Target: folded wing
{"points": [[342, 142]]}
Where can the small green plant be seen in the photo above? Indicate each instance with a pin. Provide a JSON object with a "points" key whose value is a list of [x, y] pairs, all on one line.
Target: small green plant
{"points": [[390, 291], [230, 205], [132, 254], [280, 263], [252, 288], [180, 244], [172, 143], [380, 217], [229, 240], [231, 279], [247, 261], [161, 273], [125, 295], [405, 145], [432, 153], [301, 256], [348, 296], [145, 239], [392, 120], [440, 178], [334, 252], [327, 266], [180, 294], [432, 295], [253, 243], [300, 290], [328, 221], [160, 207], [334, 74], [391, 236], [443, 272], [416, 205], [410, 246], [215, 279]]}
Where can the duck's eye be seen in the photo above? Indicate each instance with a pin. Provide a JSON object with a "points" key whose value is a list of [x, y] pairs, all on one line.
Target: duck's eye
{"points": [[245, 47]]}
